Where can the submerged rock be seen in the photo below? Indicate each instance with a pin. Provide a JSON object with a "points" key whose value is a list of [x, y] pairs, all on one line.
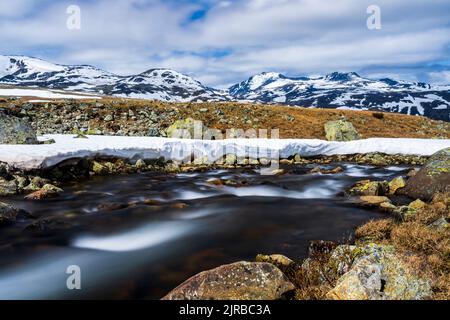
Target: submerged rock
{"points": [[14, 130], [236, 281], [340, 130], [8, 214], [432, 178]]}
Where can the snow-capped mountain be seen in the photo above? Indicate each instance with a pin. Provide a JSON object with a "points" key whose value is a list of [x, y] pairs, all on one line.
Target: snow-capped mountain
{"points": [[347, 91], [159, 84], [335, 90]]}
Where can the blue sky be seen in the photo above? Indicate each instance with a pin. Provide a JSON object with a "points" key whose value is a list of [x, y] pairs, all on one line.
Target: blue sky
{"points": [[221, 42]]}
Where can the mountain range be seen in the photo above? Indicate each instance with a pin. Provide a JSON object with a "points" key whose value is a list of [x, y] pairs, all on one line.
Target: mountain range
{"points": [[335, 90]]}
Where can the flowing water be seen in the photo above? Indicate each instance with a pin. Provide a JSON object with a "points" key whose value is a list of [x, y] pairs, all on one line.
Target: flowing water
{"points": [[139, 236]]}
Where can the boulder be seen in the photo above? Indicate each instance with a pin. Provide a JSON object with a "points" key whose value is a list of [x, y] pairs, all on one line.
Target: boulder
{"points": [[378, 273], [8, 188], [8, 214], [186, 129], [374, 200], [396, 184], [369, 188], [14, 130], [432, 178], [236, 281], [340, 130]]}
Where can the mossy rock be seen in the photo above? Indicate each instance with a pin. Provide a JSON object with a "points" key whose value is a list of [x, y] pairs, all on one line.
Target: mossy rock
{"points": [[340, 130], [434, 177], [185, 129]]}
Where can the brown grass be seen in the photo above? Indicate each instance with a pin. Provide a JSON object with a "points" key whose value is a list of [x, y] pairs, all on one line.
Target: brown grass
{"points": [[375, 230], [425, 250], [293, 122]]}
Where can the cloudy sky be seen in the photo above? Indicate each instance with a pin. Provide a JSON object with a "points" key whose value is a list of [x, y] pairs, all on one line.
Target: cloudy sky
{"points": [[221, 42]]}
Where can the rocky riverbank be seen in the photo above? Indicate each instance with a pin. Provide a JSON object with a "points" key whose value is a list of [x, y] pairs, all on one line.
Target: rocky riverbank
{"points": [[405, 256]]}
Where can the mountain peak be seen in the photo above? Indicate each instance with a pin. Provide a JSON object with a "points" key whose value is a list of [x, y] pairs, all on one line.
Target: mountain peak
{"points": [[342, 76]]}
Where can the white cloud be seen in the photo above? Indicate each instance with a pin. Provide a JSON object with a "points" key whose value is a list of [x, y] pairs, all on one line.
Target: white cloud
{"points": [[291, 36]]}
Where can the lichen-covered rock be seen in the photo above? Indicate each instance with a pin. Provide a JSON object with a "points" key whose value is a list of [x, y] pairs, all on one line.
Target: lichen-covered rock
{"points": [[432, 178], [340, 130], [8, 188], [396, 184], [185, 129], [378, 273], [14, 130], [236, 281], [369, 188], [99, 169]]}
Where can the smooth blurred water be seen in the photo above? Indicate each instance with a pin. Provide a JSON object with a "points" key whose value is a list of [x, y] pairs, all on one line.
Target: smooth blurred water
{"points": [[140, 249]]}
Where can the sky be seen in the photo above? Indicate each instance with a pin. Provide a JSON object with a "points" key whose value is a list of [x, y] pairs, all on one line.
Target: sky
{"points": [[222, 42]]}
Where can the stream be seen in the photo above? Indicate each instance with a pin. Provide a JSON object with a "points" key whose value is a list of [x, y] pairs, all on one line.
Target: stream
{"points": [[139, 236]]}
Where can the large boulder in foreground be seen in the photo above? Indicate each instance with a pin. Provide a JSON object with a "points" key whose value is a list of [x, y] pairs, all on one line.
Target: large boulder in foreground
{"points": [[378, 273], [14, 130], [432, 178], [340, 130], [236, 281]]}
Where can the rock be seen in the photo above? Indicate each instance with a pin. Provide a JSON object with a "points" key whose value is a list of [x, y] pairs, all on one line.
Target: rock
{"points": [[230, 159], [140, 164], [374, 200], [395, 184], [47, 191], [340, 130], [432, 178], [36, 184], [187, 129], [378, 273], [112, 206], [14, 130], [278, 172], [387, 206], [277, 260], [8, 188], [236, 281], [99, 168], [440, 225], [8, 214], [369, 188], [325, 171], [341, 259], [417, 205]]}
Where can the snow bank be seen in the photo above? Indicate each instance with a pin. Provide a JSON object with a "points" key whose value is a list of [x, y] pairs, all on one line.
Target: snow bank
{"points": [[44, 94], [66, 147]]}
